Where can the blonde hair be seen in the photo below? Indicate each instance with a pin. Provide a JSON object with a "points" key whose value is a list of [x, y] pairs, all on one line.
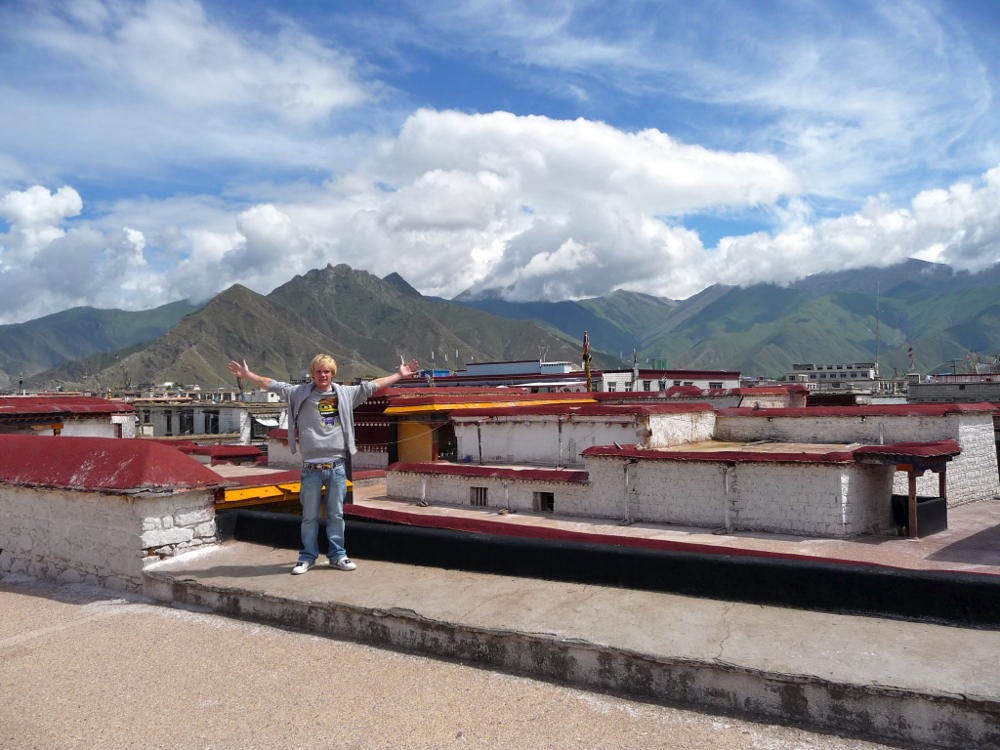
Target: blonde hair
{"points": [[323, 360]]}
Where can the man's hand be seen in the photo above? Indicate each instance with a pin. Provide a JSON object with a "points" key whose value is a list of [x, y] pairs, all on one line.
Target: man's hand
{"points": [[408, 369], [240, 371]]}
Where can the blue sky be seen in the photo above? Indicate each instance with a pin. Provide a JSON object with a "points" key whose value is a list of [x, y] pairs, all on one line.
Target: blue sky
{"points": [[163, 149]]}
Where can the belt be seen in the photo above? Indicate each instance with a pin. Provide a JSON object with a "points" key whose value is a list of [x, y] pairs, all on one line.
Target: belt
{"points": [[323, 466]]}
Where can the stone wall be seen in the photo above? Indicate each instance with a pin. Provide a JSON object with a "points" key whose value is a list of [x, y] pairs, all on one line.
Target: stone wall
{"points": [[97, 538], [835, 500], [972, 475], [569, 498]]}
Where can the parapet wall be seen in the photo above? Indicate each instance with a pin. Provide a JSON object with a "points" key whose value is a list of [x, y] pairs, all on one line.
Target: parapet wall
{"points": [[97, 510], [98, 538], [972, 475]]}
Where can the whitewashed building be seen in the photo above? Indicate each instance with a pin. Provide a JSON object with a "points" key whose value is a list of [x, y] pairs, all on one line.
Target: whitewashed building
{"points": [[827, 472], [71, 415]]}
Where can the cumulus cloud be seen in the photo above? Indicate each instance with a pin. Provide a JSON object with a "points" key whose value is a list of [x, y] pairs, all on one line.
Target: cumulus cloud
{"points": [[959, 226], [535, 207]]}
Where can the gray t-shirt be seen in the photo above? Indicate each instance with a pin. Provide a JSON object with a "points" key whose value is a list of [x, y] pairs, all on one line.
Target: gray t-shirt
{"points": [[321, 436]]}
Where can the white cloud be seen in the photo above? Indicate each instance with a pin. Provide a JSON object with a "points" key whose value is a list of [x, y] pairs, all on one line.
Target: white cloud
{"points": [[959, 226], [540, 208], [851, 96], [164, 88], [171, 50]]}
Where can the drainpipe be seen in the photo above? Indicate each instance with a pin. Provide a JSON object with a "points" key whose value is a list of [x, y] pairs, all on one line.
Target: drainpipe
{"points": [[627, 520], [728, 482], [479, 440]]}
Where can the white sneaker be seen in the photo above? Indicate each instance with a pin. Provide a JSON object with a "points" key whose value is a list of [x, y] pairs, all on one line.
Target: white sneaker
{"points": [[301, 567], [343, 563]]}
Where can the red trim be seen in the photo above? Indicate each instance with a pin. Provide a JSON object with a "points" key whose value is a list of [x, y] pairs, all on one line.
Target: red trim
{"points": [[875, 410], [263, 480], [491, 472], [26, 405], [630, 451], [502, 528], [226, 451], [586, 410], [942, 448], [918, 450]]}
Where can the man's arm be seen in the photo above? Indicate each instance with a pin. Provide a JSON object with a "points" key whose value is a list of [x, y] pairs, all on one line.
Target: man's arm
{"points": [[242, 371], [406, 370]]}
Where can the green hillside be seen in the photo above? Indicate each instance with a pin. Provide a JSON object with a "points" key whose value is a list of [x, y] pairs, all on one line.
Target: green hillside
{"points": [[366, 323], [78, 333]]}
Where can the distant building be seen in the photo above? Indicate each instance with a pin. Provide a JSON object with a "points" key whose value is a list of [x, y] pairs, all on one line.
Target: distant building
{"points": [[552, 377], [235, 421], [72, 414], [959, 387], [862, 377]]}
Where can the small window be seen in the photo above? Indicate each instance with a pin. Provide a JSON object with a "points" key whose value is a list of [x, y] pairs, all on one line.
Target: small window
{"points": [[688, 382], [677, 382], [712, 384], [646, 385], [477, 496], [663, 385], [612, 386], [544, 502]]}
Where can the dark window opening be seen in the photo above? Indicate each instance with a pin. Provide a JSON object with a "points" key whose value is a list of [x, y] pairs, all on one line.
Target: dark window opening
{"points": [[544, 502]]}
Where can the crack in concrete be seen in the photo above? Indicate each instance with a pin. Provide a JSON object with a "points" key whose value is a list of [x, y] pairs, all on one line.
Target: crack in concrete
{"points": [[728, 631]]}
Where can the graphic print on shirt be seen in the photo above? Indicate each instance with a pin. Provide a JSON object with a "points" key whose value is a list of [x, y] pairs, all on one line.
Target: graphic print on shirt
{"points": [[328, 411]]}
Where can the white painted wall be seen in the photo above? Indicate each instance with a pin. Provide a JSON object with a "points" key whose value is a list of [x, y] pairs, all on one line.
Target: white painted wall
{"points": [[514, 494], [101, 539], [97, 427], [549, 440], [809, 499]]}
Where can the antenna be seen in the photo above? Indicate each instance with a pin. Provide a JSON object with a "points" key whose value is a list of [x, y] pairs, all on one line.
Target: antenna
{"points": [[876, 327]]}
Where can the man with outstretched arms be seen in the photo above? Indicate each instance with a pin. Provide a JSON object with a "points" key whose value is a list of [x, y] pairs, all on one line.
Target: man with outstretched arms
{"points": [[321, 427]]}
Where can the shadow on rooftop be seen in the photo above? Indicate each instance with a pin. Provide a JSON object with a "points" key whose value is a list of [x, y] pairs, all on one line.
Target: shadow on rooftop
{"points": [[981, 549]]}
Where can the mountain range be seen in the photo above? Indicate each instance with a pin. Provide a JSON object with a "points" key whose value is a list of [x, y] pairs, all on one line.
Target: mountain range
{"points": [[365, 322], [914, 308]]}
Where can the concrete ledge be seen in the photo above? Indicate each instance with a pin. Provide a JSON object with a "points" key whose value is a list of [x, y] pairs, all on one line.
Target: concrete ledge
{"points": [[930, 718], [950, 598]]}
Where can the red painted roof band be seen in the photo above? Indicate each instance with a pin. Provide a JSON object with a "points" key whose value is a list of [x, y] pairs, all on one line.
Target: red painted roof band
{"points": [[874, 410], [491, 472], [504, 528], [942, 448], [27, 405], [99, 464], [678, 391], [226, 451], [585, 410]]}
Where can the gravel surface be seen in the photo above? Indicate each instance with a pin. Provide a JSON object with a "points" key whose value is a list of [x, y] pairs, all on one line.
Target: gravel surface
{"points": [[82, 669]]}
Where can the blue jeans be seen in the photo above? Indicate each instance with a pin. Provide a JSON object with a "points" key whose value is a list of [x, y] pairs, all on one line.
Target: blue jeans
{"points": [[310, 494]]}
